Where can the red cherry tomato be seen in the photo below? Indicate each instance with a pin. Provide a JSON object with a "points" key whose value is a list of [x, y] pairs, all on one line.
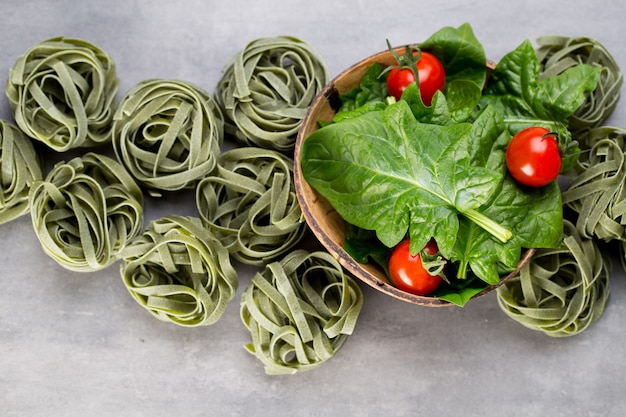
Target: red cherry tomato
{"points": [[432, 77], [533, 157], [407, 271]]}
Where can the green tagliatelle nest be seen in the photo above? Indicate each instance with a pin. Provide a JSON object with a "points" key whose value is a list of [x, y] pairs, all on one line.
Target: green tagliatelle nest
{"points": [[558, 53], [251, 205], [300, 311], [168, 134], [86, 211], [20, 167], [62, 93], [180, 272], [267, 88], [560, 291], [597, 191]]}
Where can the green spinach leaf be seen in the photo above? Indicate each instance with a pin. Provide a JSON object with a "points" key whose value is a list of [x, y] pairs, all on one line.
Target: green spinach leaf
{"points": [[459, 296], [534, 216], [385, 171], [437, 113], [363, 246], [371, 92]]}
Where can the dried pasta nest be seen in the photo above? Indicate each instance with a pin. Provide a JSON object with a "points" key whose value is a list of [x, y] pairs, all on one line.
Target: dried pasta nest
{"points": [[180, 272], [558, 53], [267, 88], [62, 93], [597, 190], [168, 133], [561, 291], [86, 211], [250, 204], [20, 167], [300, 311]]}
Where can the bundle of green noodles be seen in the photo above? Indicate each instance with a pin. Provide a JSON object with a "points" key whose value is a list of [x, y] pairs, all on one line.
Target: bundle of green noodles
{"points": [[251, 205], [561, 291], [597, 190], [86, 211], [168, 134], [300, 311], [180, 272], [267, 88], [20, 167], [62, 93]]}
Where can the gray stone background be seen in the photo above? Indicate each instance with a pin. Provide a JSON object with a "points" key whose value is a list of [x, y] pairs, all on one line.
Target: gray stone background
{"points": [[78, 345]]}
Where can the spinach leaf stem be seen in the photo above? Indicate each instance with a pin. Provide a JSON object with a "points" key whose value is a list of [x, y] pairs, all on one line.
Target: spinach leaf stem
{"points": [[491, 226]]}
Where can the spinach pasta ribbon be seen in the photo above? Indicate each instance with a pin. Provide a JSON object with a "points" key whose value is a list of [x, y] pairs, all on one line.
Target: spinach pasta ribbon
{"points": [[267, 88], [168, 133], [597, 190], [20, 167], [62, 93], [251, 205], [86, 211], [300, 311], [558, 53], [179, 272], [561, 291]]}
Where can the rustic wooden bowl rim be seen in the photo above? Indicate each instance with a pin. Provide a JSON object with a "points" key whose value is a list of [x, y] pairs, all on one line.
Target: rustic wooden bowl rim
{"points": [[314, 205]]}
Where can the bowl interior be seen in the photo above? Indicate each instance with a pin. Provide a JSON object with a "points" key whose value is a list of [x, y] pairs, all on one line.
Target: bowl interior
{"points": [[324, 221]]}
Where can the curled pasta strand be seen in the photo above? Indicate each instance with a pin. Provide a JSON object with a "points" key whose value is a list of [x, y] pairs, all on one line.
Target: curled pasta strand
{"points": [[62, 93], [558, 53], [597, 191], [179, 272], [86, 211], [20, 167], [561, 291], [251, 206], [168, 134], [300, 311], [267, 88]]}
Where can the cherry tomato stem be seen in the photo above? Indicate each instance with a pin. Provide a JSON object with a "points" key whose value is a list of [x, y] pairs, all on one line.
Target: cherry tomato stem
{"points": [[429, 70]]}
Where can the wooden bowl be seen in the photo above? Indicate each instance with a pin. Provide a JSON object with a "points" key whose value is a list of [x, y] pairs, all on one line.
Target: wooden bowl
{"points": [[324, 221]]}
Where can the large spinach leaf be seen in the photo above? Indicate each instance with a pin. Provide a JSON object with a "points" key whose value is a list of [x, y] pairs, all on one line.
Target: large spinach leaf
{"points": [[387, 172]]}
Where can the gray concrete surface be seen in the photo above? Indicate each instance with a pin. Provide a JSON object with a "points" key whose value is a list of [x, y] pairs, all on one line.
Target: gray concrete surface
{"points": [[76, 344]]}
